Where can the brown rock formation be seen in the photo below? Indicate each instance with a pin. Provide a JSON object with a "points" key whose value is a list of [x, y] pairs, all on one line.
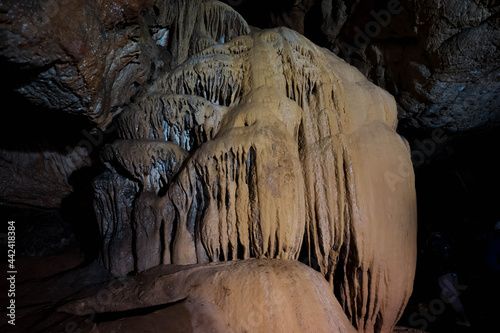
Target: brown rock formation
{"points": [[91, 58], [286, 142], [25, 174], [239, 144], [86, 54], [240, 296], [147, 166], [439, 59]]}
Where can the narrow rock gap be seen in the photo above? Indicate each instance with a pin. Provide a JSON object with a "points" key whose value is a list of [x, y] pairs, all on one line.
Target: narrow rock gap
{"points": [[112, 316]]}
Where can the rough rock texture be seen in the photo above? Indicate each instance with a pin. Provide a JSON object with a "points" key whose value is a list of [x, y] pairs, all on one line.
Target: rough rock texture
{"points": [[115, 195], [88, 58], [147, 166], [241, 296], [438, 58], [288, 149], [440, 63], [86, 54], [40, 179]]}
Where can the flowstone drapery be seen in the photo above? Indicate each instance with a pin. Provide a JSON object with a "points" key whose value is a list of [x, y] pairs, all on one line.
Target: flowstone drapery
{"points": [[262, 145]]}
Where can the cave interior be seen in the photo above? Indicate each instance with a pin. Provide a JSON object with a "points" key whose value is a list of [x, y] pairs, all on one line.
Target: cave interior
{"points": [[455, 160]]}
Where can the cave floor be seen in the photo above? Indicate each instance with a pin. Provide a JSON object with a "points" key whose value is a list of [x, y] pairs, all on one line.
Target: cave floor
{"points": [[45, 283]]}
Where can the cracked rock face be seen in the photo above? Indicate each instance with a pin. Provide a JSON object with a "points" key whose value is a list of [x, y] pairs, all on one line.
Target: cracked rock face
{"points": [[86, 55], [263, 145]]}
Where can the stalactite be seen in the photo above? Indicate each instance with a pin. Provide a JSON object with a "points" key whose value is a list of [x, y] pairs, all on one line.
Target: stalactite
{"points": [[152, 163], [221, 22], [217, 78], [114, 195], [195, 119]]}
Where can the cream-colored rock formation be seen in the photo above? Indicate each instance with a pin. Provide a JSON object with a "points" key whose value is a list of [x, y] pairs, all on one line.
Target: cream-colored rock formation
{"points": [[262, 145], [238, 296]]}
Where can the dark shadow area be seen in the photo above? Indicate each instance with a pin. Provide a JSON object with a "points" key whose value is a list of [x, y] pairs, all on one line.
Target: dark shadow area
{"points": [[78, 210], [34, 128], [112, 316], [39, 232], [258, 13], [457, 199]]}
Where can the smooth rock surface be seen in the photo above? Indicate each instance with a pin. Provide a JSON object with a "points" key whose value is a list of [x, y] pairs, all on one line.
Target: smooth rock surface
{"points": [[240, 296]]}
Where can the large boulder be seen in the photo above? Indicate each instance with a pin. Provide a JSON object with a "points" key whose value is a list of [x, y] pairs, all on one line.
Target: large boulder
{"points": [[240, 296]]}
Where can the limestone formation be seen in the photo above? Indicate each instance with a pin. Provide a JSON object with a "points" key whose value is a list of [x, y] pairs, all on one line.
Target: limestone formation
{"points": [[284, 150], [241, 296], [239, 151], [147, 167], [438, 58], [25, 174]]}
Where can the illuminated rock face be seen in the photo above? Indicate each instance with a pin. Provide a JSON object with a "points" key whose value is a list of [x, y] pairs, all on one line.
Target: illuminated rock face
{"points": [[238, 296], [241, 145], [263, 145], [436, 58]]}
